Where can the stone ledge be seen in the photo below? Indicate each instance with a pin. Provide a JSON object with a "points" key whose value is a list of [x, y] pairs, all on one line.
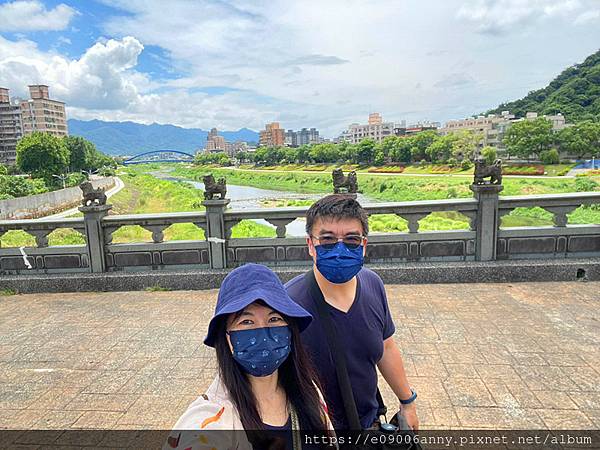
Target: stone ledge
{"points": [[409, 273]]}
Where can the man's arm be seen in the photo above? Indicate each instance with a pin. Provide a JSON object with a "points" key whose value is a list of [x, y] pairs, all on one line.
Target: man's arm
{"points": [[392, 369]]}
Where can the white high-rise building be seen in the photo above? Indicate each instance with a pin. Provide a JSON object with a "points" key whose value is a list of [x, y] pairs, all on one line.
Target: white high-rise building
{"points": [[11, 128]]}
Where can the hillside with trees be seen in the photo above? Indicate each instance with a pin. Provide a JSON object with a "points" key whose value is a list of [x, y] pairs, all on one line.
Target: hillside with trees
{"points": [[575, 93]]}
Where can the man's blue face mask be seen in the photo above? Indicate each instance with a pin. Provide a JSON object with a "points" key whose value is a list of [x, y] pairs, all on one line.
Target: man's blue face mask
{"points": [[340, 263], [260, 351]]}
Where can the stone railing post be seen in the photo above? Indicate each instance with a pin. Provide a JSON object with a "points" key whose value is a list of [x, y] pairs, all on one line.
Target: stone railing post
{"points": [[216, 233], [487, 220], [92, 218]]}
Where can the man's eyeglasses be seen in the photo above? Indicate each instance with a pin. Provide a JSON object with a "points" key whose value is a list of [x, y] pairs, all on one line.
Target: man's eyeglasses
{"points": [[329, 241]]}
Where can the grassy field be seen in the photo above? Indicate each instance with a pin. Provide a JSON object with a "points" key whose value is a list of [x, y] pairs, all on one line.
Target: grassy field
{"points": [[406, 188], [548, 170]]}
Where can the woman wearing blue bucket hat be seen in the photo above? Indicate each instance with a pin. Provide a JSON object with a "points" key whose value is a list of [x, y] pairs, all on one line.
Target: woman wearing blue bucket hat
{"points": [[265, 385]]}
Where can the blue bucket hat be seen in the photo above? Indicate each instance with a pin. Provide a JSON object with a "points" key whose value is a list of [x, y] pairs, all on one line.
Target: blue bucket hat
{"points": [[248, 283]]}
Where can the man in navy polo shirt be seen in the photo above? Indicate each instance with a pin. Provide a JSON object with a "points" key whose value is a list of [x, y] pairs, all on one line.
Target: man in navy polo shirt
{"points": [[355, 298]]}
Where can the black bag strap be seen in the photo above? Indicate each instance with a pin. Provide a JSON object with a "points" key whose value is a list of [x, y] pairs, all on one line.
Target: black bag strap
{"points": [[381, 409], [339, 358]]}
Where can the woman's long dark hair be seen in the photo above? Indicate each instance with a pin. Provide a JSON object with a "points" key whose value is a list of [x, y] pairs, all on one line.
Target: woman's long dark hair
{"points": [[296, 376]]}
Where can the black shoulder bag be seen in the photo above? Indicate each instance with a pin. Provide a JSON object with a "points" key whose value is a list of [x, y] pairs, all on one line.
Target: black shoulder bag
{"points": [[386, 436]]}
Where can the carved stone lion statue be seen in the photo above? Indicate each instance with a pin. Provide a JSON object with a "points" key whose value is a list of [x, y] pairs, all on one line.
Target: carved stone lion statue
{"points": [[92, 196], [212, 187], [344, 184], [484, 170]]}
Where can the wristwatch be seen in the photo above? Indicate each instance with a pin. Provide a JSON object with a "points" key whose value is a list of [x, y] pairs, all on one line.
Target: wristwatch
{"points": [[410, 399]]}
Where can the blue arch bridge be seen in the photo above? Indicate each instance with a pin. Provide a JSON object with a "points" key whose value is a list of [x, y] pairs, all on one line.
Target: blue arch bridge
{"points": [[160, 156]]}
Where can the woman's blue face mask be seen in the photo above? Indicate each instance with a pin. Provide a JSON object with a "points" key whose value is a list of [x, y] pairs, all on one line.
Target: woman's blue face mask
{"points": [[260, 351], [340, 263]]}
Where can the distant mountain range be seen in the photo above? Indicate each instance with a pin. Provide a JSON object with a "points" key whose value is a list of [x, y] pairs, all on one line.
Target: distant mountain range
{"points": [[130, 138], [575, 93]]}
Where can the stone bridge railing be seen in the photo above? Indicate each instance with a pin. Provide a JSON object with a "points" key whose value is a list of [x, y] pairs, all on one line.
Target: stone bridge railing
{"points": [[485, 240]]}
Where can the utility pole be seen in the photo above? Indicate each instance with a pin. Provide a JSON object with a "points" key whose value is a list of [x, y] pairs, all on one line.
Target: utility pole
{"points": [[62, 177], [89, 173]]}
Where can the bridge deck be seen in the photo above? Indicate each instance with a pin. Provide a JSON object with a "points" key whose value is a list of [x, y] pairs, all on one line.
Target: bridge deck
{"points": [[515, 356]]}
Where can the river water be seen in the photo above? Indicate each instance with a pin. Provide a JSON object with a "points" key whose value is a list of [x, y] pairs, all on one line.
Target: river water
{"points": [[248, 197]]}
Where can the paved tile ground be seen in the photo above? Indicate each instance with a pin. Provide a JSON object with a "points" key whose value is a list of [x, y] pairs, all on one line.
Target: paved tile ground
{"points": [[520, 356]]}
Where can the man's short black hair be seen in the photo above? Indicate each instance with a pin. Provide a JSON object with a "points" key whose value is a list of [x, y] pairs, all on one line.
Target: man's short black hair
{"points": [[336, 207]]}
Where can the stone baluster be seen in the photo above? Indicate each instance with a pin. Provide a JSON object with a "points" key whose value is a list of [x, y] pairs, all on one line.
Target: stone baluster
{"points": [[413, 220], [95, 241], [216, 234], [41, 237], [487, 221], [281, 225], [157, 232], [560, 218]]}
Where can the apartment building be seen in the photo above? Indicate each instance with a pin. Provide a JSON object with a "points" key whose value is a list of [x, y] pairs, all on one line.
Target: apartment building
{"points": [[303, 137], [236, 147], [403, 130], [214, 142], [11, 128], [375, 129], [272, 136], [493, 127], [41, 113]]}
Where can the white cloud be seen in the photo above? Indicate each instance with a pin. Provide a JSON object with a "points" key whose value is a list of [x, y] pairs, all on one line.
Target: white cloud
{"points": [[101, 79], [286, 51], [242, 63], [499, 16], [32, 15], [103, 83]]}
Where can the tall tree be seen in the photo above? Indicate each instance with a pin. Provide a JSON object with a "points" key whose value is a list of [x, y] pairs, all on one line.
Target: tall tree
{"points": [[81, 153], [440, 150], [420, 142], [529, 137], [365, 153], [465, 144], [401, 152], [42, 155], [489, 154], [324, 153], [581, 140]]}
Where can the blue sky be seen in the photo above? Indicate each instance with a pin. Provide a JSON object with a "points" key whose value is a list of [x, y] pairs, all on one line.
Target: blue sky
{"points": [[239, 63]]}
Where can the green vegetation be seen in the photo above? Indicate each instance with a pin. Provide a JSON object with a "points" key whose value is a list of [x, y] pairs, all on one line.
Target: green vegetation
{"points": [[381, 187], [7, 292], [535, 137], [558, 170], [14, 186], [426, 146], [529, 137], [156, 288], [288, 203], [42, 156], [408, 188], [144, 193], [219, 158], [582, 139], [489, 154], [426, 152]]}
